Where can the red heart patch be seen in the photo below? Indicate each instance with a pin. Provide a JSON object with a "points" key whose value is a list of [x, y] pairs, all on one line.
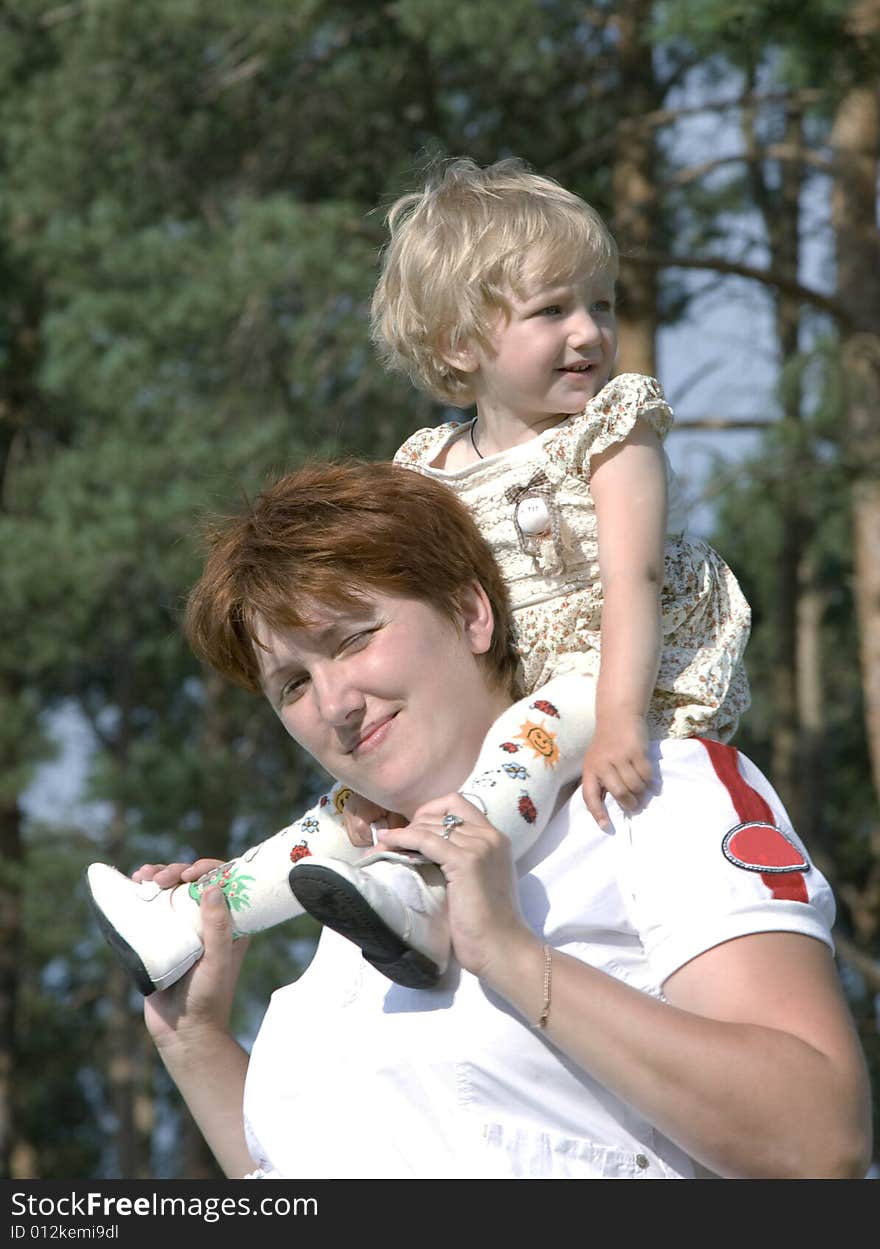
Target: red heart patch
{"points": [[762, 848]]}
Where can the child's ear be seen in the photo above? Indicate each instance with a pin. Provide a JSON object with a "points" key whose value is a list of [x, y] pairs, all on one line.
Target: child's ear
{"points": [[462, 357]]}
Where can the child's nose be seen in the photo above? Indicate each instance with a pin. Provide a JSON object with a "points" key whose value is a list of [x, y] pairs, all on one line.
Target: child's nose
{"points": [[583, 327]]}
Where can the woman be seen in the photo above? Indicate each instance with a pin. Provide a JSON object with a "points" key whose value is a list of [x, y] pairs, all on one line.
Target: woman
{"points": [[644, 1002]]}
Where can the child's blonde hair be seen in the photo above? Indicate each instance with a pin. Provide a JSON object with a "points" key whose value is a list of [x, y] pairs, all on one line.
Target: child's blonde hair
{"points": [[458, 247]]}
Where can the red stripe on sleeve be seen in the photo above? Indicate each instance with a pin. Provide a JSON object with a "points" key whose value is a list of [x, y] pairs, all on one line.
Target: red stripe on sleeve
{"points": [[750, 805]]}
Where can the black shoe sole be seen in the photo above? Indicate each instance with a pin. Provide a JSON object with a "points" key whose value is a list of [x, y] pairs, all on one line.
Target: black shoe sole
{"points": [[335, 902], [124, 952]]}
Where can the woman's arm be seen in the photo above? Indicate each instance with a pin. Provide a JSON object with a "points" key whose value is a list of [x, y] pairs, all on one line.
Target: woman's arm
{"points": [[189, 1024], [628, 484], [752, 1065]]}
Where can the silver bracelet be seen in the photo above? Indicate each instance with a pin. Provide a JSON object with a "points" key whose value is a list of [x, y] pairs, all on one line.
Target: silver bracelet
{"points": [[548, 980]]}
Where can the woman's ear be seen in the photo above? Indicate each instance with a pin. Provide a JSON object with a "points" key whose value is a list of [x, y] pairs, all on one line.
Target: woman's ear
{"points": [[477, 618]]}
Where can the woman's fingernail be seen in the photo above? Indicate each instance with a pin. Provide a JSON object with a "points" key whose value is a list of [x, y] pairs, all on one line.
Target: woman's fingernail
{"points": [[213, 897]]}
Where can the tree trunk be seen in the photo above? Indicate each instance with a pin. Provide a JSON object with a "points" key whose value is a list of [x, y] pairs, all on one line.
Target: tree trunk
{"points": [[811, 603], [21, 413], [855, 141], [634, 190], [10, 945], [780, 210], [123, 1040]]}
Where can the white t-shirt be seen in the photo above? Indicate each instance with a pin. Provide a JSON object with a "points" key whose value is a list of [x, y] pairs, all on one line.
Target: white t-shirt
{"points": [[352, 1076]]}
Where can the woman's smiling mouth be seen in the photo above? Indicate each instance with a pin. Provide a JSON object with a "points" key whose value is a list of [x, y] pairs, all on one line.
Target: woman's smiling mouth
{"points": [[371, 736]]}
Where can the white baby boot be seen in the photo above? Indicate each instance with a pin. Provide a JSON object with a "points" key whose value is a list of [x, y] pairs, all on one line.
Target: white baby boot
{"points": [[394, 911], [157, 933]]}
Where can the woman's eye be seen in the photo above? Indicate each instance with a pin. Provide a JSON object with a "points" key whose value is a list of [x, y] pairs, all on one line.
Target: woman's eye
{"points": [[357, 640], [291, 690]]}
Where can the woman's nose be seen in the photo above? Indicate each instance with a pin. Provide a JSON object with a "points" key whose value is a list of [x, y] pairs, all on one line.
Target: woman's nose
{"points": [[339, 699]]}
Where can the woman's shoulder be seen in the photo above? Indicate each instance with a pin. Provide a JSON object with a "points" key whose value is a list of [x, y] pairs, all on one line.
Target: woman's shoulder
{"points": [[714, 811]]}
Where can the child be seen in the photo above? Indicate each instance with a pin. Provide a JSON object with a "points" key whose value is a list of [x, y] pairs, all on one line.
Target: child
{"points": [[497, 289]]}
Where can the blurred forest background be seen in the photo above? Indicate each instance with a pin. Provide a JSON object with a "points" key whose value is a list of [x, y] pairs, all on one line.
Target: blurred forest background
{"points": [[188, 241]]}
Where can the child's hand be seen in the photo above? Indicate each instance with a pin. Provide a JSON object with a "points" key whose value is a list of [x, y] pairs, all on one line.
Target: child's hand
{"points": [[359, 815], [617, 763]]}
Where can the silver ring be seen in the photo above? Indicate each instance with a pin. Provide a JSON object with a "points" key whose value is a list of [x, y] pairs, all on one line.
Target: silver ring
{"points": [[450, 822]]}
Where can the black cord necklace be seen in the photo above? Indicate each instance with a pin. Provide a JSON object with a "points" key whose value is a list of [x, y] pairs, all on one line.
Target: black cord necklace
{"points": [[474, 442]]}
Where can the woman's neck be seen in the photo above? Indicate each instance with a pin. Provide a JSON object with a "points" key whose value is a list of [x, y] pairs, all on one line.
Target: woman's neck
{"points": [[452, 777]]}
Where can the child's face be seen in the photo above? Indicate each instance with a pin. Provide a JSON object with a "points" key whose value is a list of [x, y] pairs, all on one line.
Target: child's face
{"points": [[551, 356]]}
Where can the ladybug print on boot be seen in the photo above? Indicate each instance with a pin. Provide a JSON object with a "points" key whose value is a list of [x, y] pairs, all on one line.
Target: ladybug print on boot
{"points": [[300, 851], [541, 704], [527, 809]]}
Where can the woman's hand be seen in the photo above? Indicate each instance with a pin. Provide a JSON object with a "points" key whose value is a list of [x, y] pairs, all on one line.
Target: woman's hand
{"points": [[167, 875], [486, 924], [201, 1002], [189, 1023]]}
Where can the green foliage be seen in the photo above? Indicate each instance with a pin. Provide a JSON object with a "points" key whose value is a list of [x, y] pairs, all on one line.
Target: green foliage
{"points": [[58, 1021], [807, 457], [748, 513], [189, 231], [800, 37]]}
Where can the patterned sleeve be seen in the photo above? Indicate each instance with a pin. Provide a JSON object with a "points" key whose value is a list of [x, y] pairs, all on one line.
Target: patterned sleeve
{"points": [[421, 446], [611, 416]]}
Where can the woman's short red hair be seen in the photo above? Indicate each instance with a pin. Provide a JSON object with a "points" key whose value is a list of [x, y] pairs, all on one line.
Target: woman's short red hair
{"points": [[331, 534]]}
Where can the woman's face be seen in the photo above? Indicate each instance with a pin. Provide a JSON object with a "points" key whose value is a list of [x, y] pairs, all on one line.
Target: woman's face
{"points": [[388, 696]]}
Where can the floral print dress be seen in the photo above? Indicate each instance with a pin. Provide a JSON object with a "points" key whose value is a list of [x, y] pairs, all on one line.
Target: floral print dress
{"points": [[534, 505]]}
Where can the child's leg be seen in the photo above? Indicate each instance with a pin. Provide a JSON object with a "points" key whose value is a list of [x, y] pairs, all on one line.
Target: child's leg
{"points": [[394, 909], [256, 884], [157, 932], [535, 747]]}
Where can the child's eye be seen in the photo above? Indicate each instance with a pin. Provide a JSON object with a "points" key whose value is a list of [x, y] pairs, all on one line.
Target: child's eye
{"points": [[603, 305], [552, 310]]}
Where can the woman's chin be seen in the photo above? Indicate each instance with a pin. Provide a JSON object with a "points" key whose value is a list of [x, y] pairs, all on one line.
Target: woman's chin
{"points": [[406, 794]]}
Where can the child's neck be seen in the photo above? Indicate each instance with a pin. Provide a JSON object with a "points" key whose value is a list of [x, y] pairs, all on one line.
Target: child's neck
{"points": [[487, 436], [494, 432], [483, 439]]}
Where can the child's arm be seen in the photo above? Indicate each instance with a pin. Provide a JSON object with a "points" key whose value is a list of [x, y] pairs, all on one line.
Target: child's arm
{"points": [[629, 490]]}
